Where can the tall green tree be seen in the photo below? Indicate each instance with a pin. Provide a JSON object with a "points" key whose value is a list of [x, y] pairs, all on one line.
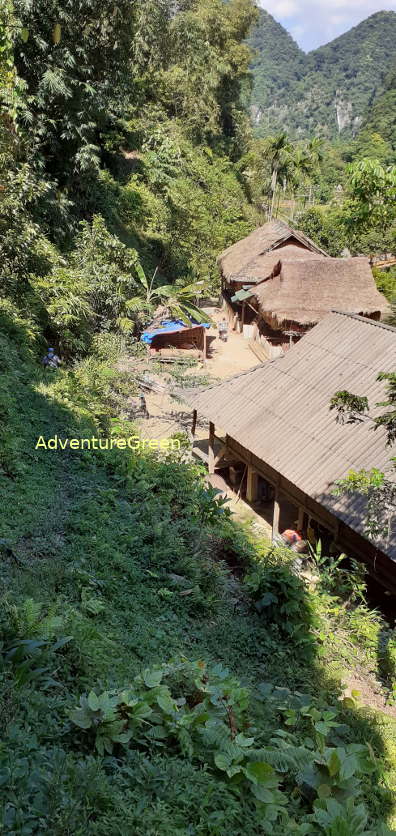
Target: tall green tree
{"points": [[278, 150], [20, 186], [364, 218], [277, 162], [377, 486], [6, 79], [204, 67], [305, 163], [76, 63], [373, 192]]}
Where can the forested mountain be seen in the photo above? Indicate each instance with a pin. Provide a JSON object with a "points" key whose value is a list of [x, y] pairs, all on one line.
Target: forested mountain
{"points": [[381, 116], [326, 92], [278, 63]]}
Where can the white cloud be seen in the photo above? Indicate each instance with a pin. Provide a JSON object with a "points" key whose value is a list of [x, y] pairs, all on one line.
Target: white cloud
{"points": [[360, 5], [287, 8], [336, 20], [297, 31], [315, 22]]}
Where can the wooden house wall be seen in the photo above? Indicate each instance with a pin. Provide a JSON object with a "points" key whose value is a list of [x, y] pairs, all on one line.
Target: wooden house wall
{"points": [[230, 311], [379, 565], [190, 338]]}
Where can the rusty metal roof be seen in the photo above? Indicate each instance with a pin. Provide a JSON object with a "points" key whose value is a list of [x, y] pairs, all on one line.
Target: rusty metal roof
{"points": [[280, 410]]}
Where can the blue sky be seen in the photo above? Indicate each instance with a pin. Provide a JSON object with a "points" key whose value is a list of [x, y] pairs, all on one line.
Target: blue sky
{"points": [[313, 23]]}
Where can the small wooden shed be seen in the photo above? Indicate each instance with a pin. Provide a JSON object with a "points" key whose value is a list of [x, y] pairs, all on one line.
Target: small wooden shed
{"points": [[174, 335]]}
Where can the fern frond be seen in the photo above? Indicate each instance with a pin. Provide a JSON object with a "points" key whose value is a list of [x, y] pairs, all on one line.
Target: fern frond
{"points": [[138, 304], [54, 83], [125, 324], [216, 735], [290, 758], [28, 616]]}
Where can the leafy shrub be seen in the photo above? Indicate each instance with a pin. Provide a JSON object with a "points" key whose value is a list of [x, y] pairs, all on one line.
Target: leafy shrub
{"points": [[202, 714], [19, 341], [280, 597]]}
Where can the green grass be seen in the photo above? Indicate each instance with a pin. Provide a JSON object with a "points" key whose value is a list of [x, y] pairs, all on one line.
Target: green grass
{"points": [[100, 549]]}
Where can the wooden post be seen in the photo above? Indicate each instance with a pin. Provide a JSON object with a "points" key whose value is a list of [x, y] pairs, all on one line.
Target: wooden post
{"points": [[211, 460], [275, 519], [300, 521], [220, 455], [194, 423], [252, 485], [243, 315], [204, 350]]}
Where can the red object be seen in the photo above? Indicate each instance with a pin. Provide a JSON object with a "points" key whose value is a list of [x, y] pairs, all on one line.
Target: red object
{"points": [[292, 536]]}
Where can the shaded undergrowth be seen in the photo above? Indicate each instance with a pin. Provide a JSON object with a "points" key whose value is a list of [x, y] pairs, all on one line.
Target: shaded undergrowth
{"points": [[113, 565]]}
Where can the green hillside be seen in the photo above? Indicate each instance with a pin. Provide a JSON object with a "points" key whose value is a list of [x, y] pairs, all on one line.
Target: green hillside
{"points": [[381, 117], [328, 91], [164, 671], [278, 62]]}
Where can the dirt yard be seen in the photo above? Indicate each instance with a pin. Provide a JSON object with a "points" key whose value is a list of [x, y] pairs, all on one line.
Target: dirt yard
{"points": [[225, 359], [232, 357]]}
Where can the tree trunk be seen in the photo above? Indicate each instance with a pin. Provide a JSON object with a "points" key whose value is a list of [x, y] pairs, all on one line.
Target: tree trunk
{"points": [[274, 184]]}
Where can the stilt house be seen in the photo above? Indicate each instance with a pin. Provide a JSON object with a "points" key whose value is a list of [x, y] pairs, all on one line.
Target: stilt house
{"points": [[277, 284], [275, 421]]}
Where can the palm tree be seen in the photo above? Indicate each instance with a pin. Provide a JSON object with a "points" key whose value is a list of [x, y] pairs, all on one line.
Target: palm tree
{"points": [[315, 148], [306, 162], [279, 152]]}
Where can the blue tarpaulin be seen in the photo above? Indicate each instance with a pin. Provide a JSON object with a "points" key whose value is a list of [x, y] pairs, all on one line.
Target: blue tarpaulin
{"points": [[170, 326]]}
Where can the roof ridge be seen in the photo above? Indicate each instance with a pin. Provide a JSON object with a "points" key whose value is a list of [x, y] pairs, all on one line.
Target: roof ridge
{"points": [[365, 319]]}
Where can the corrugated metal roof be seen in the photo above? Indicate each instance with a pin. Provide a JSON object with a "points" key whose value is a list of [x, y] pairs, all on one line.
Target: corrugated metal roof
{"points": [[280, 410], [241, 295]]}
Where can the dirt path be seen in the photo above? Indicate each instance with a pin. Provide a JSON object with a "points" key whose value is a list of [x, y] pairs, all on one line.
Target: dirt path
{"points": [[370, 692], [167, 415], [232, 357]]}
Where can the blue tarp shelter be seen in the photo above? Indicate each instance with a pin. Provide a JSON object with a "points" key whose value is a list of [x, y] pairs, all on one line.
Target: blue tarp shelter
{"points": [[170, 326]]}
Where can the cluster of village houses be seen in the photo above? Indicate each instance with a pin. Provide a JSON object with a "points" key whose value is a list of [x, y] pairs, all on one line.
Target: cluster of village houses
{"points": [[319, 326]]}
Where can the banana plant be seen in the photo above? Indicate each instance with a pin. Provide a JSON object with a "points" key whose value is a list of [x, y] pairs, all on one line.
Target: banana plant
{"points": [[180, 301]]}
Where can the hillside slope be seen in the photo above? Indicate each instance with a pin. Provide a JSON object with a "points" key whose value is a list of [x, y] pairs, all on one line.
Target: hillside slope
{"points": [[278, 63], [381, 117], [118, 597], [328, 91]]}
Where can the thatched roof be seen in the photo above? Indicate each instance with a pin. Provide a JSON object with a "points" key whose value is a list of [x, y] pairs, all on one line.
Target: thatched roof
{"points": [[306, 291], [265, 266], [280, 411], [253, 258]]}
